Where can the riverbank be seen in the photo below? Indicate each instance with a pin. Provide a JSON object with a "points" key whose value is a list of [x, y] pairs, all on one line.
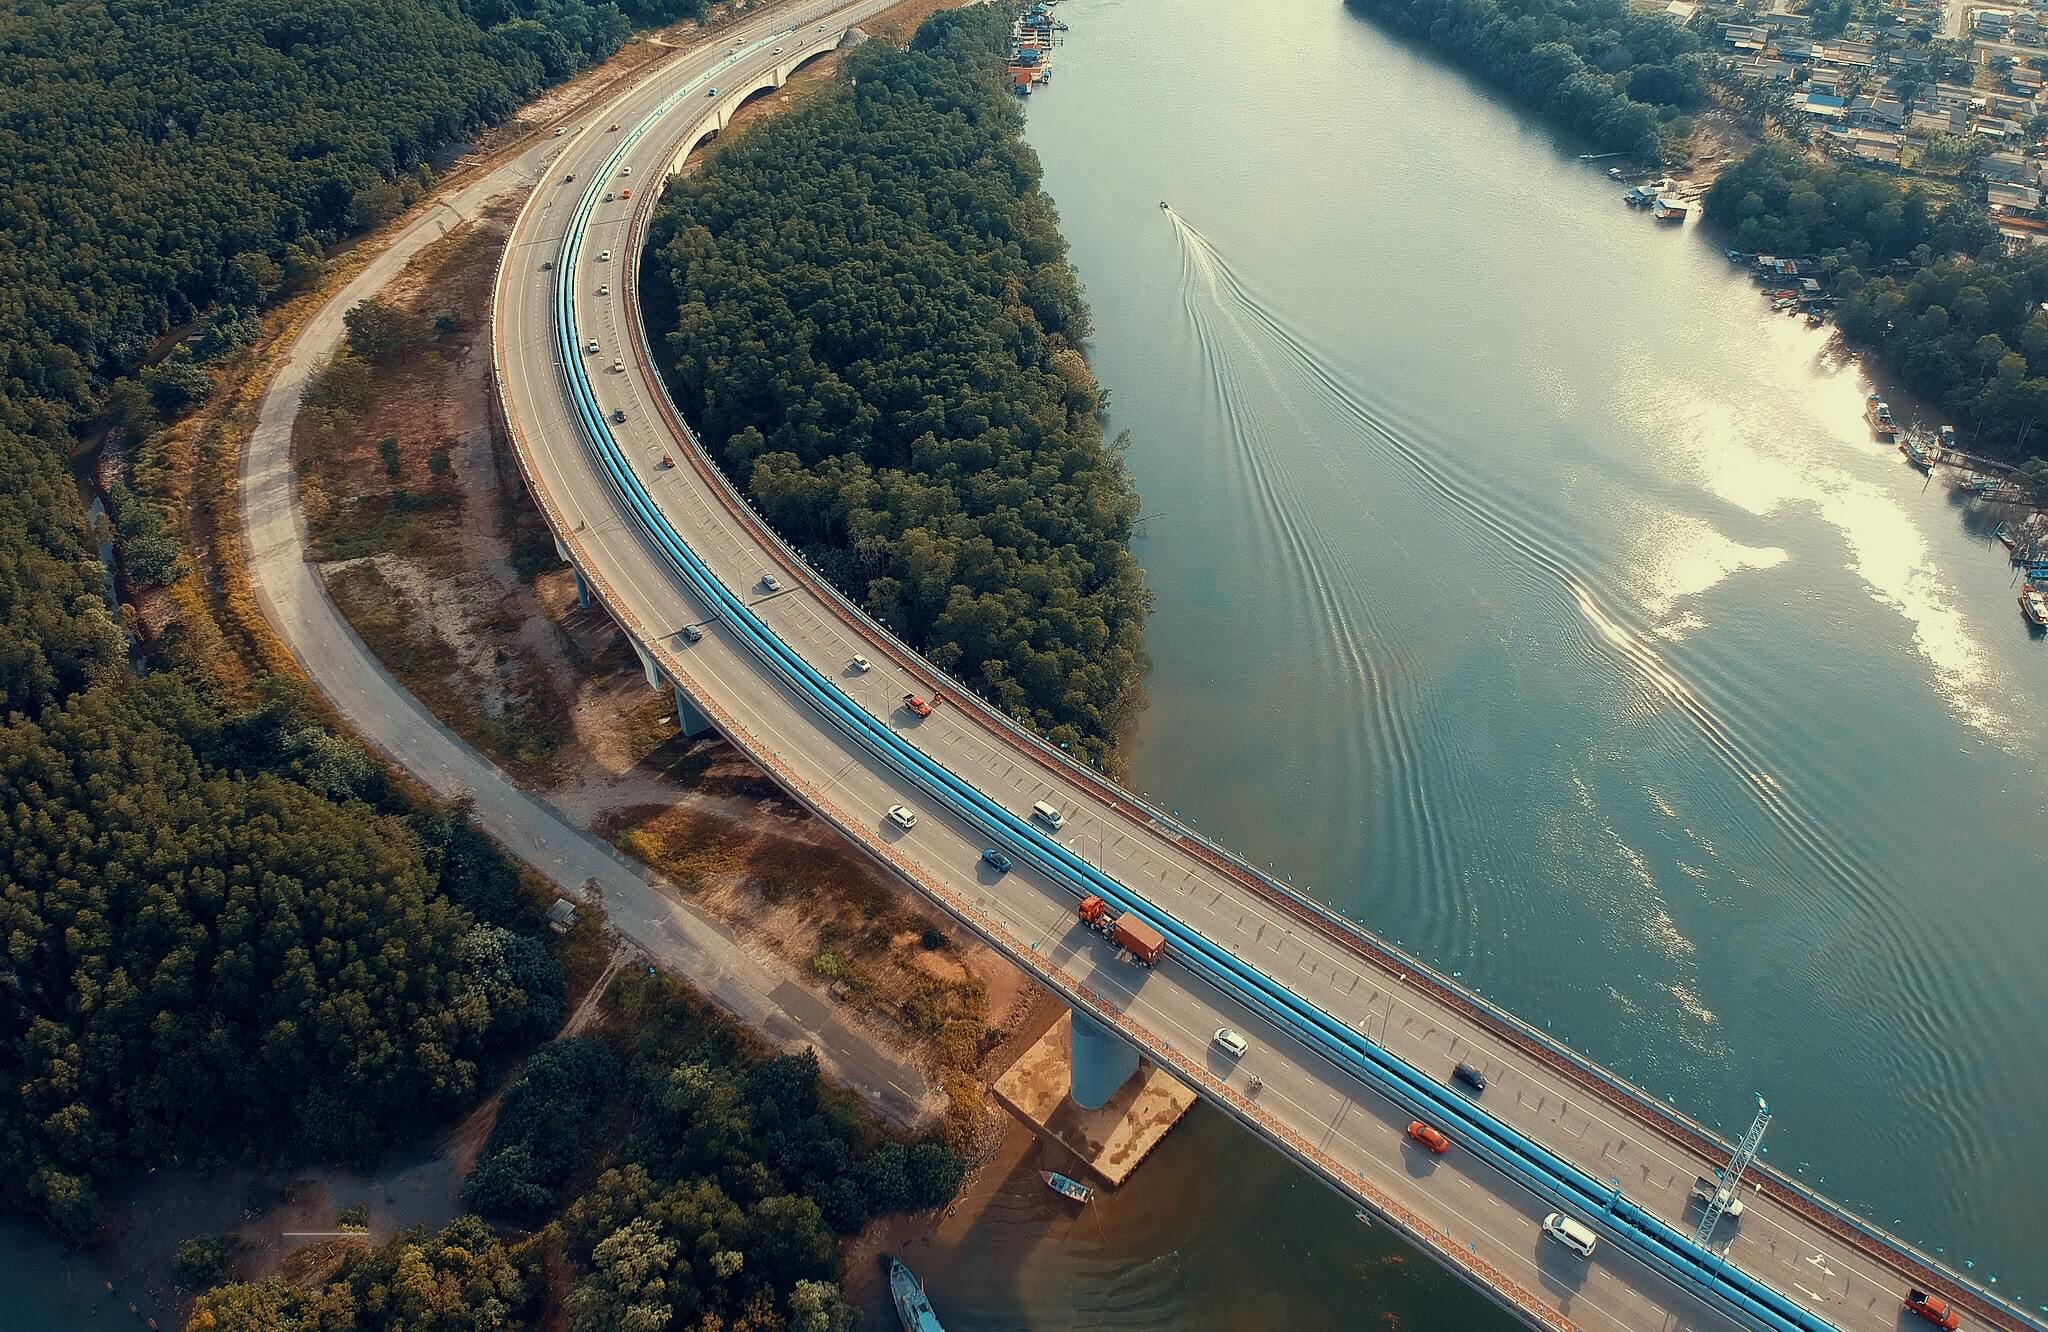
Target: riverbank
{"points": [[1455, 613]]}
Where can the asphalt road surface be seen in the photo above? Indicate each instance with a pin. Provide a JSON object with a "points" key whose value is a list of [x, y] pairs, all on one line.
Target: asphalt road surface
{"points": [[1317, 1111]]}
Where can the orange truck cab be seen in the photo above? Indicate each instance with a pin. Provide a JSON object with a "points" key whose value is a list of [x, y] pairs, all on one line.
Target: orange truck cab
{"points": [[917, 705]]}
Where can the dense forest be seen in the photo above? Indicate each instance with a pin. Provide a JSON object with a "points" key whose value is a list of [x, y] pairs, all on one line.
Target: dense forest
{"points": [[1923, 283], [869, 313], [717, 1208], [1622, 79], [227, 933], [224, 932]]}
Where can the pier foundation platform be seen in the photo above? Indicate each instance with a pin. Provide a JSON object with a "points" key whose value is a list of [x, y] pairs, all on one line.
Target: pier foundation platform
{"points": [[1110, 1140]]}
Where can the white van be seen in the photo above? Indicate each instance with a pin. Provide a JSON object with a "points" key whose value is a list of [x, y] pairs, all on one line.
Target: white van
{"points": [[1048, 816], [1572, 1234]]}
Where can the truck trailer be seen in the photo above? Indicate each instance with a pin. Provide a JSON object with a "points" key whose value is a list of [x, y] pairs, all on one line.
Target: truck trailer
{"points": [[1129, 932]]}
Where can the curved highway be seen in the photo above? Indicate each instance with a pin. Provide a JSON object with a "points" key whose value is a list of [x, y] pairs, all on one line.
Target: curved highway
{"points": [[1350, 1038]]}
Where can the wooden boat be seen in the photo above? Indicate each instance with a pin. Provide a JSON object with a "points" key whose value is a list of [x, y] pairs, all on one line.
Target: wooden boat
{"points": [[2034, 605], [913, 1309], [1067, 1188]]}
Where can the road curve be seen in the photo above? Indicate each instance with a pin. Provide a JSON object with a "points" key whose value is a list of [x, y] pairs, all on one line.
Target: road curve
{"points": [[1477, 1219], [757, 989]]}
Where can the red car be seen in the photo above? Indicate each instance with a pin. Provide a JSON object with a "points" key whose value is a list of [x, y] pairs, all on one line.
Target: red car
{"points": [[1425, 1136], [917, 705], [1934, 1309]]}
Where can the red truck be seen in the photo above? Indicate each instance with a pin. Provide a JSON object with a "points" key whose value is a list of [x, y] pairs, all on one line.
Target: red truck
{"points": [[1128, 931], [1934, 1309]]}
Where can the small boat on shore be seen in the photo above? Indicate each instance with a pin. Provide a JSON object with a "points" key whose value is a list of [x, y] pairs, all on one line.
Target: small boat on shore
{"points": [[913, 1309], [2034, 605], [1879, 413], [1067, 1188]]}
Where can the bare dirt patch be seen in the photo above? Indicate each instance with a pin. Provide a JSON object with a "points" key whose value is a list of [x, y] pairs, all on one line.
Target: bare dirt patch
{"points": [[897, 23], [793, 885], [400, 482]]}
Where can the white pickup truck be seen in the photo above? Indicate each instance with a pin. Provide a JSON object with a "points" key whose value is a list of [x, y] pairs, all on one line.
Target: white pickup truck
{"points": [[1706, 1191]]}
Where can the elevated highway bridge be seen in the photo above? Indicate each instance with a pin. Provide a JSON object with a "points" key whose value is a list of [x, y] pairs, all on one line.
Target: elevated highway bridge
{"points": [[1350, 1038]]}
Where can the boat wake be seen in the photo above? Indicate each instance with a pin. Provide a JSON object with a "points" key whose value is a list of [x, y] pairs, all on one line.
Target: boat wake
{"points": [[1216, 296], [1354, 646]]}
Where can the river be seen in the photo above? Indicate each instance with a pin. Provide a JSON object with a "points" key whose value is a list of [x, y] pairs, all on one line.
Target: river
{"points": [[1540, 600], [1534, 595]]}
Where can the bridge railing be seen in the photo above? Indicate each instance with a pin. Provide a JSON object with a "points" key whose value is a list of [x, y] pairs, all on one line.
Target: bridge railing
{"points": [[1490, 1015], [1498, 1021]]}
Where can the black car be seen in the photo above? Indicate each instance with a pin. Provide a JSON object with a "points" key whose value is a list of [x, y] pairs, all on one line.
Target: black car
{"points": [[1470, 1076]]}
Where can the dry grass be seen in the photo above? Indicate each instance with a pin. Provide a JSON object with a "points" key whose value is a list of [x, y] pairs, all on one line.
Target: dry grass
{"points": [[794, 887], [897, 23], [515, 714], [211, 619]]}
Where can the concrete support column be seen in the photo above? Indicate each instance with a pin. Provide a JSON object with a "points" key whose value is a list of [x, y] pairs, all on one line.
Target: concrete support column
{"points": [[689, 720], [1102, 1062], [582, 591], [647, 666]]}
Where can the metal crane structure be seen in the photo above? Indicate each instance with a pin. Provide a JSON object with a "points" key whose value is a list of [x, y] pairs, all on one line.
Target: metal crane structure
{"points": [[1731, 1178]]}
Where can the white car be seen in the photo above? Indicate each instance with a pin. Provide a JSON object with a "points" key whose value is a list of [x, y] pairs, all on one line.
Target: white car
{"points": [[1230, 1043], [618, 367], [776, 51], [859, 665], [604, 288], [591, 345], [771, 582], [902, 817], [604, 256], [625, 171]]}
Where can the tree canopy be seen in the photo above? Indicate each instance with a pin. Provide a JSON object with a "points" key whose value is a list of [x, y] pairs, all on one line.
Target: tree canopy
{"points": [[223, 930], [1924, 283], [868, 311], [1597, 67], [161, 159]]}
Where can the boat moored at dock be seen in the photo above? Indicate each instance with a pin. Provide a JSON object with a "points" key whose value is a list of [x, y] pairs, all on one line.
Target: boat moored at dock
{"points": [[1067, 1188], [2034, 605], [1879, 413]]}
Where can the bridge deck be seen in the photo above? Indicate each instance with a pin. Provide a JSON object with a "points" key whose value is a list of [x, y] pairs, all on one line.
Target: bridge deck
{"points": [[1469, 1214]]}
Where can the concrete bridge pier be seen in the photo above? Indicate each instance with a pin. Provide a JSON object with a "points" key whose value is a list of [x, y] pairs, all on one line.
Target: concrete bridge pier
{"points": [[689, 719], [1102, 1062], [647, 667], [582, 591], [1082, 1085]]}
